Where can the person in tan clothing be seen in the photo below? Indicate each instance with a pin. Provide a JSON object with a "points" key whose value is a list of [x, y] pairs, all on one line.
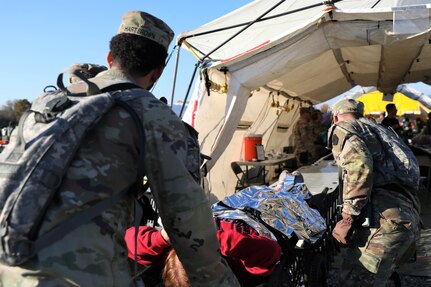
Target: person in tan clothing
{"points": [[303, 138]]}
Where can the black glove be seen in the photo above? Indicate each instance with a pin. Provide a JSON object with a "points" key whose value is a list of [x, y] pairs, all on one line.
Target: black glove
{"points": [[343, 229]]}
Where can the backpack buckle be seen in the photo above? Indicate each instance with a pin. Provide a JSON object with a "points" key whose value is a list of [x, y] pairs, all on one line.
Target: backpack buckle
{"points": [[16, 252]]}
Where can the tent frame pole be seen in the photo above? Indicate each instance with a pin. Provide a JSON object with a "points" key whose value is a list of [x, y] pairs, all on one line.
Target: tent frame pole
{"points": [[174, 82], [188, 89], [248, 24], [242, 30]]}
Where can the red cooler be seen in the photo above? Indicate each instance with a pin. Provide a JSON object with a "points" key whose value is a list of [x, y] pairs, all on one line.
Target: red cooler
{"points": [[250, 142]]}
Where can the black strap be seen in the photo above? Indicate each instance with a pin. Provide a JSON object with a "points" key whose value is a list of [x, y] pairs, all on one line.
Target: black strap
{"points": [[92, 89], [120, 87], [340, 184], [75, 220], [136, 187], [138, 214], [141, 160]]}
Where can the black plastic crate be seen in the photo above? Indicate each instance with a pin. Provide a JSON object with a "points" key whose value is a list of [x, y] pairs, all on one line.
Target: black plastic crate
{"points": [[308, 265]]}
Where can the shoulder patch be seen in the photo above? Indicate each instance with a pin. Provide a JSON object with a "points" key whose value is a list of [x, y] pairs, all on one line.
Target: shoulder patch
{"points": [[335, 140], [339, 134]]}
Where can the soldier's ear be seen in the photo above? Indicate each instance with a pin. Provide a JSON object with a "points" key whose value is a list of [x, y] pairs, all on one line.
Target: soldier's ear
{"points": [[155, 74], [159, 72], [109, 59], [334, 119]]}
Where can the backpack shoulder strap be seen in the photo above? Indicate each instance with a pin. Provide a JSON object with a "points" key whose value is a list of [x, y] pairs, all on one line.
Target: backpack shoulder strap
{"points": [[136, 187], [74, 221], [120, 87], [141, 133]]}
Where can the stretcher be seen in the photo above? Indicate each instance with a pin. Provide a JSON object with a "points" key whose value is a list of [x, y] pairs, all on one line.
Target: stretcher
{"points": [[303, 263]]}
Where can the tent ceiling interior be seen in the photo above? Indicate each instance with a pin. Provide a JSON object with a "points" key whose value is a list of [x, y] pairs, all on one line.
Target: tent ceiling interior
{"points": [[316, 51]]}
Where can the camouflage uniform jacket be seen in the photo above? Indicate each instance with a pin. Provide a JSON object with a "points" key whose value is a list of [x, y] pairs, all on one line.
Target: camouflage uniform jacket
{"points": [[356, 156], [318, 129], [95, 254], [303, 136]]}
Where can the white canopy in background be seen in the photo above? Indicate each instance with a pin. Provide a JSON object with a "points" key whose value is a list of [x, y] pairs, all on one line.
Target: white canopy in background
{"points": [[301, 52]]}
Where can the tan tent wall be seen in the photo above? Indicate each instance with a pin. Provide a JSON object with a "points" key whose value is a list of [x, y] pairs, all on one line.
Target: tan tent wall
{"points": [[259, 117]]}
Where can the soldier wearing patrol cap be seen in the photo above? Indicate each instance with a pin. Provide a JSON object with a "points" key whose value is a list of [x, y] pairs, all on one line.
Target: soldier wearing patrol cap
{"points": [[95, 254], [380, 213], [303, 137]]}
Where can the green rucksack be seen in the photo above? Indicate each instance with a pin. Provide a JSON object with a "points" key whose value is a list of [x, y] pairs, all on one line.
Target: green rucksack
{"points": [[33, 164], [396, 162]]}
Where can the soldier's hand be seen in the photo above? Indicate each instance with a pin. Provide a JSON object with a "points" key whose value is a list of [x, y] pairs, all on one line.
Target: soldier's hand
{"points": [[165, 236], [343, 229]]}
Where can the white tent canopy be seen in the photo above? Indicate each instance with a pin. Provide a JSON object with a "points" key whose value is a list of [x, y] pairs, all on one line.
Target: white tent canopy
{"points": [[297, 53]]}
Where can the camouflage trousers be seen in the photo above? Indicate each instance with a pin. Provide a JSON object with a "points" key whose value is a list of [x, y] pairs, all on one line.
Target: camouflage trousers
{"points": [[377, 252], [84, 257]]}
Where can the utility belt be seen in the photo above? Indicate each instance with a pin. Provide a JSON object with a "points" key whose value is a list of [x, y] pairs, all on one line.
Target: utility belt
{"points": [[368, 219], [408, 199]]}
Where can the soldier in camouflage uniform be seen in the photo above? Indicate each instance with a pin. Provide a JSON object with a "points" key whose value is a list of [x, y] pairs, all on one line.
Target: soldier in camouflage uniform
{"points": [[303, 138], [375, 248], [95, 253], [319, 135]]}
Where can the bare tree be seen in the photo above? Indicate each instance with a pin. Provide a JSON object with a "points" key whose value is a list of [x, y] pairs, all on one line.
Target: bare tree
{"points": [[11, 112], [20, 107]]}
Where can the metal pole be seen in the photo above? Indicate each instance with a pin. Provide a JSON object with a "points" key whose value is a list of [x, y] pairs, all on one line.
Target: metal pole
{"points": [[260, 19], [188, 90], [242, 30], [175, 76]]}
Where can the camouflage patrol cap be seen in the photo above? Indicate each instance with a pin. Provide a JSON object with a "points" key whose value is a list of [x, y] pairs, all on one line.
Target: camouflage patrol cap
{"points": [[88, 70], [346, 106], [148, 26]]}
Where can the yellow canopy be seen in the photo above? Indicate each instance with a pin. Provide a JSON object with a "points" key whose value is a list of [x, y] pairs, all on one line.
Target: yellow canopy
{"points": [[375, 104]]}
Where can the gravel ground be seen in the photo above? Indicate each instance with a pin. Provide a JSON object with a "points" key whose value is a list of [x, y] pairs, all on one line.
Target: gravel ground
{"points": [[406, 280]]}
